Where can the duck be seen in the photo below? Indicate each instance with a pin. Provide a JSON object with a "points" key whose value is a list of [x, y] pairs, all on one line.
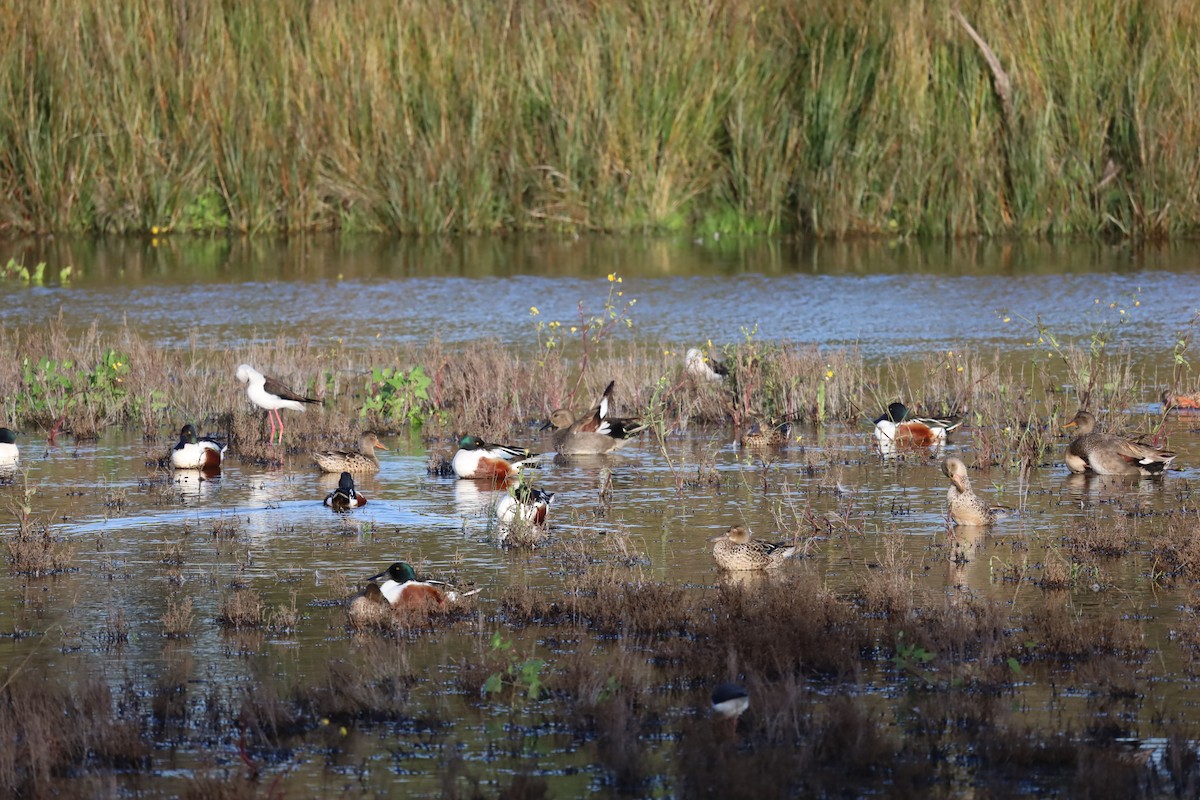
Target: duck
{"points": [[401, 592], [478, 459], [729, 701], [966, 507], [895, 427], [594, 433], [1188, 402], [345, 496], [271, 395], [363, 460], [524, 505], [10, 454], [701, 367], [735, 550], [1106, 454], [762, 434], [195, 452]]}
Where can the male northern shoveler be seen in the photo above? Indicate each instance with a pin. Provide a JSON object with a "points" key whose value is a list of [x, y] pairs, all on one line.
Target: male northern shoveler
{"points": [[966, 507], [363, 460], [524, 505], [401, 592], [595, 432], [478, 459], [735, 550], [700, 366], [762, 434], [196, 452], [1188, 402], [271, 395], [897, 428], [345, 496], [1105, 454], [10, 454], [730, 701]]}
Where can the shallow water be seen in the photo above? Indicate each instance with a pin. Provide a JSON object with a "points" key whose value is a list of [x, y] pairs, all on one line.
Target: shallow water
{"points": [[266, 528]]}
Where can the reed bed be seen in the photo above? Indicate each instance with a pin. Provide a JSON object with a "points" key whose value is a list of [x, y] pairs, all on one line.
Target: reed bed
{"points": [[941, 118]]}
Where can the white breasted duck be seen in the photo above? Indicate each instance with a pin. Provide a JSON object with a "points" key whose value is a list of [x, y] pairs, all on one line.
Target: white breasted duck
{"points": [[701, 367], [478, 459], [896, 427], [196, 452], [595, 432], [524, 504], [345, 496], [271, 395], [362, 460], [10, 454]]}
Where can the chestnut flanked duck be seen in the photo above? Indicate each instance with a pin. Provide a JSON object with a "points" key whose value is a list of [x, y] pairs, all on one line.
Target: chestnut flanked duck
{"points": [[736, 550], [966, 507], [478, 459], [196, 452], [524, 504], [345, 496], [401, 592], [595, 432], [897, 427], [271, 395], [362, 460], [1106, 454], [10, 454]]}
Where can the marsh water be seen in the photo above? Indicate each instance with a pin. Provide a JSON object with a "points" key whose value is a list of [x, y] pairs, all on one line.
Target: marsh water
{"points": [[141, 534]]}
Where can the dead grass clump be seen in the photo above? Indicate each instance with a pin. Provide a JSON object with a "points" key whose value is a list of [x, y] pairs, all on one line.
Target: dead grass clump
{"points": [[376, 687], [177, 621], [243, 608], [1062, 635], [611, 605], [33, 549], [284, 618], [1110, 537]]}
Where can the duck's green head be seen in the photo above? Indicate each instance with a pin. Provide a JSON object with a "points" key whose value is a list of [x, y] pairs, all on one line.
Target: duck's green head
{"points": [[470, 443], [188, 434], [400, 572]]}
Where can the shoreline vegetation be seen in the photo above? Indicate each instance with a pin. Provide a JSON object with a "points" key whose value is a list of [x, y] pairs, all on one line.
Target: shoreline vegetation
{"points": [[911, 119]]}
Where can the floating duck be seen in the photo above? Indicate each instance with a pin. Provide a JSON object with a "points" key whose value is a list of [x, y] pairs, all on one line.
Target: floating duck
{"points": [[1105, 454], [271, 395], [730, 701], [700, 366], [761, 434], [400, 592], [595, 432], [345, 496], [966, 507], [10, 454], [363, 460], [195, 452], [524, 505], [1188, 402], [896, 428], [735, 550], [478, 459]]}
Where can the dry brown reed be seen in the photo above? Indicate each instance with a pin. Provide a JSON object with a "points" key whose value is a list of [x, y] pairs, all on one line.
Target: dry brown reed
{"points": [[242, 608]]}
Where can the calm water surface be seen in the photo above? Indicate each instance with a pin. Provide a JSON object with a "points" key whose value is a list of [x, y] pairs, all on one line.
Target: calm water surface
{"points": [[125, 519]]}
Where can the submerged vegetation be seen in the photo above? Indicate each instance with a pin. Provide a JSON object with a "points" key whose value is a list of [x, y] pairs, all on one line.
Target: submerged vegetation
{"points": [[890, 119]]}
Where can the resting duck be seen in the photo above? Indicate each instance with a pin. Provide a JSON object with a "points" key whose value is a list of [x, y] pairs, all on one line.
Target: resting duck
{"points": [[345, 496], [10, 454], [761, 434], [478, 459], [1105, 454], [595, 432], [378, 604], [896, 428], [1189, 402], [700, 366], [966, 507], [735, 550], [195, 452], [363, 460], [524, 504]]}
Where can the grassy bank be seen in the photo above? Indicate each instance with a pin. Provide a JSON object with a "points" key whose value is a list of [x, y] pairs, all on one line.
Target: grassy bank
{"points": [[859, 118]]}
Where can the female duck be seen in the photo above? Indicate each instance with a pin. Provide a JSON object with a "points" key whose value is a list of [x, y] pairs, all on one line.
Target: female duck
{"points": [[966, 507], [1105, 454], [364, 460], [735, 550]]}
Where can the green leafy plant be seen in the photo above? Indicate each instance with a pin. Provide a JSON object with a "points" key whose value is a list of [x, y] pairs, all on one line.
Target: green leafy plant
{"points": [[910, 659], [518, 675], [397, 395]]}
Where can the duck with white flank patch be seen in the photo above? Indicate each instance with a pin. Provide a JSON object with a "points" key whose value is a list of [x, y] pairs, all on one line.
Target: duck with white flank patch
{"points": [[196, 452], [345, 496], [1106, 454], [595, 432]]}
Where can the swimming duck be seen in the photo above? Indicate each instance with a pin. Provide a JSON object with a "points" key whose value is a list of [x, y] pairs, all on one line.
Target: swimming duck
{"points": [[195, 452], [345, 496], [735, 550], [1105, 454], [271, 395], [761, 434], [363, 460], [700, 366], [10, 454], [478, 459], [966, 507], [524, 504], [730, 701], [595, 432], [895, 427]]}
